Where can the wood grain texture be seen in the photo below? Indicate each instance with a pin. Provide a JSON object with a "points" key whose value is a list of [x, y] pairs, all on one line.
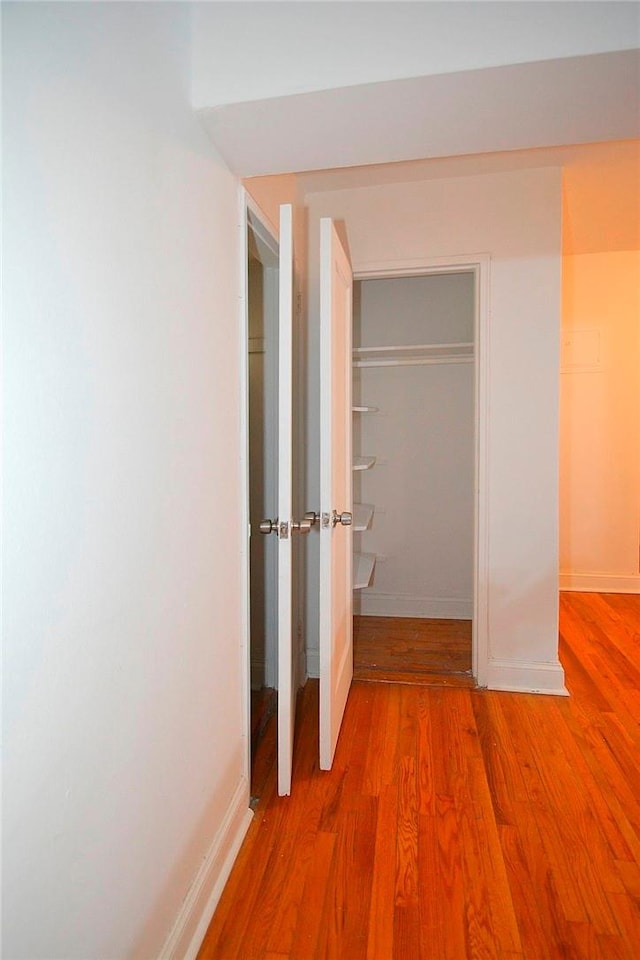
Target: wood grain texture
{"points": [[456, 824], [412, 650]]}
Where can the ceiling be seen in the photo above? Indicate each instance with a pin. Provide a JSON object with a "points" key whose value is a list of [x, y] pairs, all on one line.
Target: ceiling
{"points": [[243, 52], [349, 94], [515, 107]]}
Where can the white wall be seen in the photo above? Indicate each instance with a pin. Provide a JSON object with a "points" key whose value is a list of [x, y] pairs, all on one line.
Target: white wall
{"points": [[253, 51], [123, 747], [514, 217], [600, 423], [436, 308]]}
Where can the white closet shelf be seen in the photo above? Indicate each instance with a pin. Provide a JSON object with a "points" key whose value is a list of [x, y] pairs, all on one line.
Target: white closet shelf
{"points": [[362, 516], [363, 463], [412, 355], [364, 408], [363, 564]]}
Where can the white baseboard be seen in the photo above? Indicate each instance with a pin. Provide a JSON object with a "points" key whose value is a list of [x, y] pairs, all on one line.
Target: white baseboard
{"points": [[526, 676], [187, 934], [313, 664], [399, 605], [599, 583], [515, 676]]}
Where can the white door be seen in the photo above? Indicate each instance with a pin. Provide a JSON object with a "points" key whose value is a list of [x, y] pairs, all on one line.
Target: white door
{"points": [[336, 506], [286, 676], [276, 453]]}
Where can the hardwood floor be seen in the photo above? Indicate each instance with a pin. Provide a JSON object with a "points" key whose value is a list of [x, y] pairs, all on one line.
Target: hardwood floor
{"points": [[457, 823], [412, 650]]}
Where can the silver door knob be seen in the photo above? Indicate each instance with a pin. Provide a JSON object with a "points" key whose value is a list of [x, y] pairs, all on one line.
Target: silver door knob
{"points": [[346, 518], [268, 526], [308, 521], [302, 526]]}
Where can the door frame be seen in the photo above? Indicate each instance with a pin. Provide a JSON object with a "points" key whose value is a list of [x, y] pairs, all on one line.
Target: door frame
{"points": [[250, 216], [479, 265]]}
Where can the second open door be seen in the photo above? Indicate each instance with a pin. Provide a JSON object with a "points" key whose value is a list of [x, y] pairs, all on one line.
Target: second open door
{"points": [[336, 506], [286, 671]]}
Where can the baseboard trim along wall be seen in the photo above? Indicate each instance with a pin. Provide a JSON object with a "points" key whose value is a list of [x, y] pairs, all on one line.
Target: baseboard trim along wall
{"points": [[402, 605], [526, 676], [599, 583], [313, 664], [514, 676], [199, 905]]}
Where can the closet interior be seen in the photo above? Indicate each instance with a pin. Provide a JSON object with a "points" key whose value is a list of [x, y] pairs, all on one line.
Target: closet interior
{"points": [[262, 319], [413, 476]]}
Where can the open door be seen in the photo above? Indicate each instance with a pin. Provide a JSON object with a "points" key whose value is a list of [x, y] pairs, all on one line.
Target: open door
{"points": [[286, 677], [336, 598], [279, 588]]}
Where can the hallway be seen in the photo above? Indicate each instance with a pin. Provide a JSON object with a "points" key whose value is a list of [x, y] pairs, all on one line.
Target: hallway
{"points": [[456, 823]]}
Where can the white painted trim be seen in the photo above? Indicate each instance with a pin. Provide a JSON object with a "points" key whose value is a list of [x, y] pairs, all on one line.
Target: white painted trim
{"points": [[599, 583], [403, 605], [526, 676], [192, 922], [416, 266], [265, 229], [479, 264]]}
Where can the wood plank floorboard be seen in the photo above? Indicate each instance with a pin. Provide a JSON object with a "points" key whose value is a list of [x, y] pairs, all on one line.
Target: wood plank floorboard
{"points": [[412, 650], [456, 824]]}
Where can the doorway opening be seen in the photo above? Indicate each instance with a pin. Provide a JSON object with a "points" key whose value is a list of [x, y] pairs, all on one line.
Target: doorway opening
{"points": [[415, 478], [262, 292]]}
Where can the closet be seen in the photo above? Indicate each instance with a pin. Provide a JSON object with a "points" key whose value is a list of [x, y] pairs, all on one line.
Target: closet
{"points": [[262, 373], [413, 466]]}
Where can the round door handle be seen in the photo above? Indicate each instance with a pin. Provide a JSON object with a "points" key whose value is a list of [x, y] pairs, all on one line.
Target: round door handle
{"points": [[268, 526], [345, 518], [302, 526]]}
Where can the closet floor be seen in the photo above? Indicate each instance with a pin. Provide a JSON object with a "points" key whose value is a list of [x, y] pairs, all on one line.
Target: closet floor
{"points": [[412, 650]]}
